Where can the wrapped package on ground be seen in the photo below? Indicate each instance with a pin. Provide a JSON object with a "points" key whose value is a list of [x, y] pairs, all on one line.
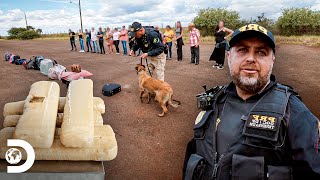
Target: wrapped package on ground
{"points": [[12, 120], [104, 147], [77, 129], [98, 104], [13, 108], [59, 119], [38, 122], [62, 102], [97, 118], [57, 133], [16, 108]]}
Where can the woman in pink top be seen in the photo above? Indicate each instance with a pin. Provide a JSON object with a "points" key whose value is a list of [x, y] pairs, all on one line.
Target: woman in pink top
{"points": [[109, 40], [123, 38]]}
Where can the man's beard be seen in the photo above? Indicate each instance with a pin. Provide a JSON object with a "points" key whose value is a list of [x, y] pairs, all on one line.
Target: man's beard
{"points": [[251, 84]]}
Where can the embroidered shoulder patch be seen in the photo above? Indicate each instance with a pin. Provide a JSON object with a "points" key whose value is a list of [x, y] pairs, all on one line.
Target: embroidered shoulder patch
{"points": [[262, 122], [156, 40], [199, 117], [217, 122]]}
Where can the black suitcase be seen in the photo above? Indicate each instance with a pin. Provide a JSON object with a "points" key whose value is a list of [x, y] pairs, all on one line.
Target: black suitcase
{"points": [[111, 89]]}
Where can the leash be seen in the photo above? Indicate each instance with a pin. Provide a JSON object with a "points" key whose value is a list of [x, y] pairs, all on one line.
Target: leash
{"points": [[147, 65]]}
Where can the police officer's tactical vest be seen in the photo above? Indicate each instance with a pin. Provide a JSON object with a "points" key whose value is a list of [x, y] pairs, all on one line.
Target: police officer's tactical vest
{"points": [[258, 153], [147, 43]]}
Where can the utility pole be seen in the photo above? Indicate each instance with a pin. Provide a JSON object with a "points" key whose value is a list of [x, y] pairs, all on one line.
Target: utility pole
{"points": [[25, 17], [79, 5], [80, 16]]}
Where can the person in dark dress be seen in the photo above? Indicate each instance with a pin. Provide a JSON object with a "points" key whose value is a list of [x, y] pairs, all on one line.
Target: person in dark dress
{"points": [[218, 53], [179, 40]]}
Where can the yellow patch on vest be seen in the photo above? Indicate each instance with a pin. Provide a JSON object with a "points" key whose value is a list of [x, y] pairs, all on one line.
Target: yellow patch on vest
{"points": [[217, 122], [199, 117], [262, 122]]}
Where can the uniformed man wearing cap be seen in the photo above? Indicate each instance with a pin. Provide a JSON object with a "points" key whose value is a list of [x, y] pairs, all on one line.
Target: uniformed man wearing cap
{"points": [[150, 42], [253, 128]]}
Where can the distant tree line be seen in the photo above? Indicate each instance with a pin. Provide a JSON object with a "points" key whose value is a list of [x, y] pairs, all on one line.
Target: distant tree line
{"points": [[24, 33], [293, 21]]}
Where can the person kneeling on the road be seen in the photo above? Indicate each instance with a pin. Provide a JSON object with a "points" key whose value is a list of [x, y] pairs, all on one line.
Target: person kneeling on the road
{"points": [[254, 128], [150, 42]]}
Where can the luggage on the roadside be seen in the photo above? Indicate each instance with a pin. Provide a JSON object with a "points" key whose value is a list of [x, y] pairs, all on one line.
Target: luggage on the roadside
{"points": [[67, 76], [111, 89], [70, 76], [7, 56], [56, 71], [24, 64], [11, 58], [46, 64], [34, 63], [37, 62], [15, 58], [29, 64], [19, 61]]}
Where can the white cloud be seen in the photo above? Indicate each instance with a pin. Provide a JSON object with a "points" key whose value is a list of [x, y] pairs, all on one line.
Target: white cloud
{"points": [[116, 13], [316, 5]]}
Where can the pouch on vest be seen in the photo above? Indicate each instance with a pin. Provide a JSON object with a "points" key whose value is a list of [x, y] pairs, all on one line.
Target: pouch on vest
{"points": [[195, 167], [279, 173], [248, 168], [263, 125], [200, 128]]}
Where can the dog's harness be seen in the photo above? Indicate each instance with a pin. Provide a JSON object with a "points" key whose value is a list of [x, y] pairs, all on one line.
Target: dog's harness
{"points": [[147, 65]]}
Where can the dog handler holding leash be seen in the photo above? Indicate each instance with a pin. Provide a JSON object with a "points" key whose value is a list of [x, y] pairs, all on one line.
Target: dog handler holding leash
{"points": [[149, 41]]}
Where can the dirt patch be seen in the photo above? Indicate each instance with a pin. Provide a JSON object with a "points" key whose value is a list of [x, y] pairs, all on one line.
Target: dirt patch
{"points": [[151, 147]]}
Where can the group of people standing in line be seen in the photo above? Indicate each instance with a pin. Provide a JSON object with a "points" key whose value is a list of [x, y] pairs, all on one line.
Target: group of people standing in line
{"points": [[93, 38], [170, 37]]}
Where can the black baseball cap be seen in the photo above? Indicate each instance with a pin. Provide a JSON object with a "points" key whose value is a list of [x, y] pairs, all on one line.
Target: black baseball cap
{"points": [[252, 30], [136, 26]]}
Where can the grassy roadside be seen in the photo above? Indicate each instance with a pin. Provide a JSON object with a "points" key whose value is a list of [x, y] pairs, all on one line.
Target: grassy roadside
{"points": [[304, 40], [307, 40]]}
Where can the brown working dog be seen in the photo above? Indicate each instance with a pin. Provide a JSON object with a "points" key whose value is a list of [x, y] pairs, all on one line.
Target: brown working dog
{"points": [[162, 89]]}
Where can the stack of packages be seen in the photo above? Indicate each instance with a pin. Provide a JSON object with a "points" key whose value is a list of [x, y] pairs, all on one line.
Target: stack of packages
{"points": [[60, 128]]}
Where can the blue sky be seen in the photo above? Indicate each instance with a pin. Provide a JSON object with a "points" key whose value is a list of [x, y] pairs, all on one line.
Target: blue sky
{"points": [[54, 16]]}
